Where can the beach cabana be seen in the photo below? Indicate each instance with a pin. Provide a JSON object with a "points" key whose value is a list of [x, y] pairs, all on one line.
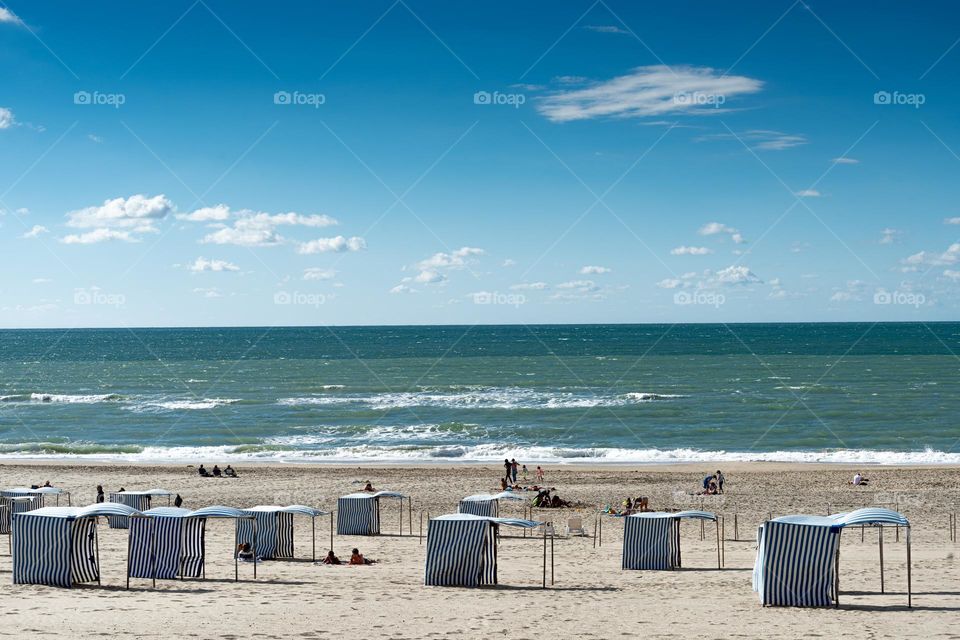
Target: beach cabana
{"points": [[462, 549], [42, 493], [139, 500], [652, 540], [10, 505], [58, 546], [275, 529], [797, 562], [173, 543], [358, 514], [485, 504]]}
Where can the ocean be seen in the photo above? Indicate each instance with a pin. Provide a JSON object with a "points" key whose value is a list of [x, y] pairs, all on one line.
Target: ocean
{"points": [[852, 392]]}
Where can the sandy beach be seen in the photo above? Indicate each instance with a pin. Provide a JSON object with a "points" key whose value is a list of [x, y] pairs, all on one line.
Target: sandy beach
{"points": [[591, 598]]}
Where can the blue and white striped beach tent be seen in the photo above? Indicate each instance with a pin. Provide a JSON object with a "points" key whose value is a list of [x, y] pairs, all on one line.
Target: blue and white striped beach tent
{"points": [[486, 504], [358, 514], [139, 500], [57, 546], [797, 556], [175, 541], [462, 549], [44, 493], [10, 505], [652, 540], [275, 529]]}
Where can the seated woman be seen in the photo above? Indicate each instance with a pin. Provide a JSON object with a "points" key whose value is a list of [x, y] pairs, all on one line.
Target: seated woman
{"points": [[201, 470], [357, 558], [216, 471], [244, 552], [369, 487], [331, 558], [229, 472]]}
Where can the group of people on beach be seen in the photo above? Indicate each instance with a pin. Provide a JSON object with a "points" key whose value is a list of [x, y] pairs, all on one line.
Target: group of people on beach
{"points": [[713, 484], [512, 468], [101, 496], [226, 472]]}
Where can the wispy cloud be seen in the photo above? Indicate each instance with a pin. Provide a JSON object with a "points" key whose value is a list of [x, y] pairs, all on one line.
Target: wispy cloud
{"points": [[648, 91], [336, 244], [605, 28], [889, 236], [594, 270], [316, 273], [9, 17], [202, 264], [718, 228], [761, 139], [808, 193], [6, 118], [35, 231], [690, 251], [845, 160]]}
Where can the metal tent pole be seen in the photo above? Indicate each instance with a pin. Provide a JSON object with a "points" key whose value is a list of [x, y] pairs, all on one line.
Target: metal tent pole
{"points": [[421, 527], [551, 554], [600, 535], [331, 531], [410, 516], [719, 561], [401, 516], [254, 520], [153, 554], [313, 536], [236, 552], [96, 543], [909, 576], [128, 556], [545, 555], [881, 558], [595, 518]]}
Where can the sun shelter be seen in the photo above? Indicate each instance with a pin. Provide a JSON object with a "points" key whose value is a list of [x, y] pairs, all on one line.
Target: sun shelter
{"points": [[139, 500], [173, 544], [58, 546], [42, 493], [485, 504], [10, 505], [652, 540], [275, 529], [798, 557], [358, 514], [462, 549]]}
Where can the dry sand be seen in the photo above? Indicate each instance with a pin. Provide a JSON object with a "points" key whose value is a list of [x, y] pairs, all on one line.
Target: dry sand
{"points": [[592, 597]]}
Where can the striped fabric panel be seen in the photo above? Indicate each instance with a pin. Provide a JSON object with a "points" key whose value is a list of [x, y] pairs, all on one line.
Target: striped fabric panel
{"points": [[8, 507], [284, 536], [193, 552], [41, 551], [83, 559], [266, 532], [458, 553], [139, 502], [358, 516], [488, 572], [178, 540], [5, 513], [650, 543], [486, 508], [797, 564]]}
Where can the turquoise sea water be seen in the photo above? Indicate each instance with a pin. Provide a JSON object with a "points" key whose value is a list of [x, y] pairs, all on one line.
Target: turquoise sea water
{"points": [[884, 393]]}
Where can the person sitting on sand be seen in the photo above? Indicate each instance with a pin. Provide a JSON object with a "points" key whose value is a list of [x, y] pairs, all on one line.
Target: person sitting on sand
{"points": [[369, 487], [503, 484], [557, 503], [641, 504], [229, 472], [543, 499], [628, 506], [331, 558], [202, 471], [858, 480], [357, 558], [178, 501], [216, 472], [47, 484], [245, 553]]}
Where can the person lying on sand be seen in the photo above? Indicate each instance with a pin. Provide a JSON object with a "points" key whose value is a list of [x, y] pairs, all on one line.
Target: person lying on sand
{"points": [[331, 558], [357, 558]]}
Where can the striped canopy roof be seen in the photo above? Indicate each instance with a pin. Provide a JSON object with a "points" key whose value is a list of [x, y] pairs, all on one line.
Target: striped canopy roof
{"points": [[293, 508], [100, 509], [375, 494], [484, 497], [510, 522], [148, 492], [28, 490], [699, 515], [869, 515], [218, 511], [168, 512]]}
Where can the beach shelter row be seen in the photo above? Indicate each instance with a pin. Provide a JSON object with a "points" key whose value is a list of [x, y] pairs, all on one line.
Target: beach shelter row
{"points": [[58, 546]]}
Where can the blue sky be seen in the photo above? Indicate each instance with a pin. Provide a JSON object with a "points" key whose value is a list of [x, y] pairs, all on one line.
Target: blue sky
{"points": [[229, 163]]}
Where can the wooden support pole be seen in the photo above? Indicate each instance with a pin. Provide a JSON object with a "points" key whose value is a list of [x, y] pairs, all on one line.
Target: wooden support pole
{"points": [[96, 544], [595, 518], [736, 527], [421, 527], [410, 516], [600, 535], [331, 531]]}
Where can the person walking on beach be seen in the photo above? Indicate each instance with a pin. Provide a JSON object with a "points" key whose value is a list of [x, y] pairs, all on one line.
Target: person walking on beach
{"points": [[539, 474], [720, 479], [100, 496], [514, 468], [507, 467]]}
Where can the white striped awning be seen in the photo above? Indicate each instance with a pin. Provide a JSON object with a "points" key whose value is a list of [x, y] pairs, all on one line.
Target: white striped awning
{"points": [[374, 494], [93, 510], [677, 515], [510, 522]]}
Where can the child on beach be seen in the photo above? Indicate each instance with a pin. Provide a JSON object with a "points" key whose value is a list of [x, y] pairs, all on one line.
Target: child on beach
{"points": [[357, 558], [331, 558], [539, 474]]}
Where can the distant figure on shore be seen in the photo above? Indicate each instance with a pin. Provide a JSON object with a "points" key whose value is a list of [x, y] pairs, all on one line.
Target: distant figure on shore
{"points": [[216, 472], [539, 474], [229, 472], [100, 496], [514, 468], [720, 479], [507, 467], [369, 487], [524, 472], [47, 484], [642, 503], [858, 480], [244, 553], [178, 501], [203, 472], [627, 506], [503, 484], [357, 558], [121, 490], [331, 558]]}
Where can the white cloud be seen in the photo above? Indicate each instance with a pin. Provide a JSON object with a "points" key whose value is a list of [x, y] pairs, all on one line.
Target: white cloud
{"points": [[8, 17], [648, 91], [509, 262], [35, 231], [6, 117], [807, 193], [529, 286], [735, 275], [430, 276], [208, 293], [578, 290], [202, 264], [591, 270], [690, 251], [118, 219], [454, 260], [336, 244], [99, 235], [762, 139], [41, 281], [852, 292], [949, 257], [94, 138], [845, 160], [889, 236], [951, 221], [402, 288], [605, 28], [951, 274], [207, 214], [718, 228], [316, 273]]}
